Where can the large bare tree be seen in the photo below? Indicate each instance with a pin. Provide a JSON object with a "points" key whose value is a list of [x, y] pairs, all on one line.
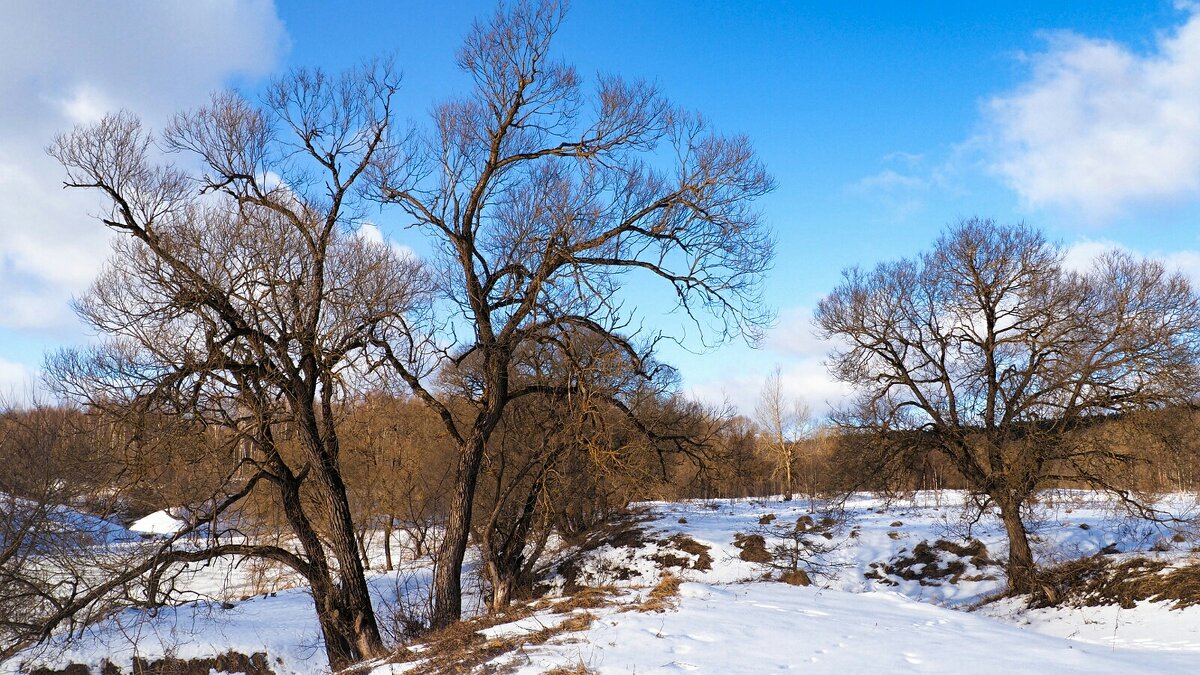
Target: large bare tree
{"points": [[239, 295], [988, 350], [544, 198]]}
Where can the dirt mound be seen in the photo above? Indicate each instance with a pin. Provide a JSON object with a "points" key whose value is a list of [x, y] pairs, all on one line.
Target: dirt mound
{"points": [[935, 564], [753, 547], [698, 556]]}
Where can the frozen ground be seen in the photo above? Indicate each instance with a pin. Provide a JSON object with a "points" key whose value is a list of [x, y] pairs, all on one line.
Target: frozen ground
{"points": [[760, 628], [726, 619]]}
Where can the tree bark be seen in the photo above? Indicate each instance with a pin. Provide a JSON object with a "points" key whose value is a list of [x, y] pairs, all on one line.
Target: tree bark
{"points": [[503, 586], [387, 543], [1022, 574], [354, 610], [447, 577]]}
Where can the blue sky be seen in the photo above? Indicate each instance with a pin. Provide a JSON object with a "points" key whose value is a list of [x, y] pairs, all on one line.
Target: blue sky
{"points": [[881, 122]]}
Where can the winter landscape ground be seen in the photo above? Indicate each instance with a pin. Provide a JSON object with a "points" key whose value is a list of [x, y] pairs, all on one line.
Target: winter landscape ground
{"points": [[897, 586]]}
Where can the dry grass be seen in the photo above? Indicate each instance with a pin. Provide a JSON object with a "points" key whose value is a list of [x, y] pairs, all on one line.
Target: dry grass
{"points": [[663, 596], [586, 598], [753, 547], [460, 648], [578, 669], [1098, 580], [795, 578]]}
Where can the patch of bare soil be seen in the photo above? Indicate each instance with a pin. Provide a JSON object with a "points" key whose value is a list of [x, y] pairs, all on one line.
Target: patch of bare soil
{"points": [[933, 565], [698, 555], [627, 531]]}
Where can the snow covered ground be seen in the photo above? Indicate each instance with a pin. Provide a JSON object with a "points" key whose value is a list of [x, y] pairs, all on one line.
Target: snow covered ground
{"points": [[886, 603], [760, 628]]}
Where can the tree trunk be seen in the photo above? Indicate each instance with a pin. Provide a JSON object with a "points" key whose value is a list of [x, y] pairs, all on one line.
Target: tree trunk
{"points": [[341, 648], [350, 599], [447, 577], [387, 543], [347, 627], [1022, 575], [787, 471], [354, 598], [363, 545], [503, 587]]}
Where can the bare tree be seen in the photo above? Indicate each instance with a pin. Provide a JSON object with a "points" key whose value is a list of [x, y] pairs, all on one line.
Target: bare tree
{"points": [[241, 297], [987, 350], [783, 424], [542, 200]]}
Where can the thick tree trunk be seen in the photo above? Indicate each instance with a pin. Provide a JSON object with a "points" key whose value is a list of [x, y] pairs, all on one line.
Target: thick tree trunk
{"points": [[341, 644], [503, 587], [354, 608], [349, 600], [347, 626], [447, 578], [1022, 575]]}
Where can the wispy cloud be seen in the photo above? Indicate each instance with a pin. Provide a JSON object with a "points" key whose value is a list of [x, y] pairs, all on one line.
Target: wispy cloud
{"points": [[17, 382], [906, 182], [800, 355]]}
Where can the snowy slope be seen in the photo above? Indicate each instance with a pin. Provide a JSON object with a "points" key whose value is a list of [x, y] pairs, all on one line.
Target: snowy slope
{"points": [[727, 619], [760, 628]]}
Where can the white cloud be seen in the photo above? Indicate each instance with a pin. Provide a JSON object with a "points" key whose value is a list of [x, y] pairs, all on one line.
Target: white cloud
{"points": [[803, 379], [1099, 127], [794, 335], [904, 185], [1082, 254], [371, 233], [70, 64], [17, 382], [800, 355], [85, 106], [889, 179]]}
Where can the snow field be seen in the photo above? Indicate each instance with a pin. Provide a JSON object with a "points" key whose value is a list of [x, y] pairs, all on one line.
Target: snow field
{"points": [[726, 620]]}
